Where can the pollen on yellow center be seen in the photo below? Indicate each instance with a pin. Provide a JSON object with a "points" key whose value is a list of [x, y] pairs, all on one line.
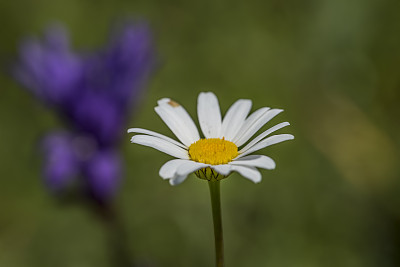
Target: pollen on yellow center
{"points": [[213, 151]]}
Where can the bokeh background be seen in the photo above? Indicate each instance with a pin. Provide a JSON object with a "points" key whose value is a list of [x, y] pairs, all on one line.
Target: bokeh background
{"points": [[333, 199]]}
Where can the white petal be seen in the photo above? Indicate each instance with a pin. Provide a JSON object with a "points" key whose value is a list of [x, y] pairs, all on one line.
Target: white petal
{"points": [[248, 172], [209, 114], [184, 170], [161, 145], [267, 142], [168, 170], [177, 180], [163, 101], [166, 138], [259, 161], [264, 134], [235, 118], [253, 124], [178, 120], [250, 120], [189, 167], [223, 169]]}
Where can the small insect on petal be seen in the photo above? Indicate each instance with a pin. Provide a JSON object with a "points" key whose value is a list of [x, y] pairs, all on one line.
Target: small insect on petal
{"points": [[174, 104]]}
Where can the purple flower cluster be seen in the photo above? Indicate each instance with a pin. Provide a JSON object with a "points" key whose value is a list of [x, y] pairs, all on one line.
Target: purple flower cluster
{"points": [[94, 92]]}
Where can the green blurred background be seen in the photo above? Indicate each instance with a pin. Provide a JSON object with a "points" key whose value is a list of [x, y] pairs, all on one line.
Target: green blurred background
{"points": [[333, 199]]}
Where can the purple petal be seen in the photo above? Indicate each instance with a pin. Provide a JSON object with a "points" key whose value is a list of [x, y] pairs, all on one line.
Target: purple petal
{"points": [[49, 69], [129, 59], [64, 157], [104, 172], [98, 116], [61, 164]]}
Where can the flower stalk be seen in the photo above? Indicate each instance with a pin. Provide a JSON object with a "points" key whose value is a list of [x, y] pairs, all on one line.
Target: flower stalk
{"points": [[118, 245], [217, 220]]}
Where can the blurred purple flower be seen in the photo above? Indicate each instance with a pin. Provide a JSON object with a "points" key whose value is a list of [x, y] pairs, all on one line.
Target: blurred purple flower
{"points": [[61, 160], [68, 156], [94, 92], [49, 69], [103, 171]]}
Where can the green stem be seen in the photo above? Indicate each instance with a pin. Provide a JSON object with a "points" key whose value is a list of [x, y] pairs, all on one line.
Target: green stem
{"points": [[119, 253], [217, 219]]}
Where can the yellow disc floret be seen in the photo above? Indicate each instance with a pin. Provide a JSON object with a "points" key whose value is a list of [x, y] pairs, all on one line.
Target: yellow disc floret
{"points": [[213, 151]]}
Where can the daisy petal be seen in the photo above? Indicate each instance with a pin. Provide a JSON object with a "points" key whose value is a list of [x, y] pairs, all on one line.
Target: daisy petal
{"points": [[264, 134], [209, 115], [223, 169], [249, 121], [168, 170], [259, 161], [250, 173], [166, 138], [178, 120], [267, 142], [184, 170], [161, 145], [177, 180], [235, 118], [189, 167], [253, 124]]}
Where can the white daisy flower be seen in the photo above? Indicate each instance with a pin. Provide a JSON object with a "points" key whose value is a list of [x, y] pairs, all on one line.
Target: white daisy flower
{"points": [[223, 149]]}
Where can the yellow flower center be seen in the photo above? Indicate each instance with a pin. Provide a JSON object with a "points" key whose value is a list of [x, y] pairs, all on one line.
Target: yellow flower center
{"points": [[213, 151]]}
